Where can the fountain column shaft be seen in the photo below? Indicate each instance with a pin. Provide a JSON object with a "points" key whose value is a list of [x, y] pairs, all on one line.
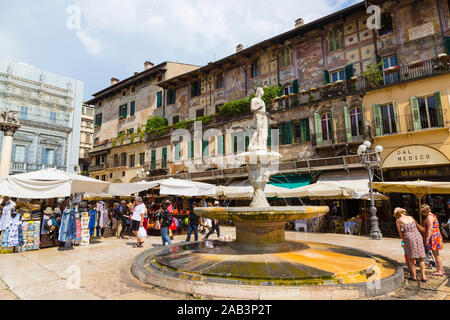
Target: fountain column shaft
{"points": [[260, 232]]}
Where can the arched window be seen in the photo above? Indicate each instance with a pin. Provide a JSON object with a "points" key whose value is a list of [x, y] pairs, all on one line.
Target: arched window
{"points": [[356, 121], [286, 57], [334, 40], [326, 126]]}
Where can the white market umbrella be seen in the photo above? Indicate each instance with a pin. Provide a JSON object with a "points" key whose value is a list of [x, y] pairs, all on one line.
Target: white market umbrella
{"points": [[49, 183], [245, 191]]}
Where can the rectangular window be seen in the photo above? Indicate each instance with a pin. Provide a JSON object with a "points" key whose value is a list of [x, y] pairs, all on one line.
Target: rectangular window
{"points": [[49, 157], [177, 152], [133, 89], [98, 120], [123, 159], [191, 149], [171, 96], [116, 161], [159, 99], [53, 116], [386, 24], [220, 144], [23, 115], [334, 40], [175, 119], [153, 160], [123, 111], [19, 155], [219, 83], [301, 131], [130, 131], [200, 113], [196, 88], [164, 158], [254, 69], [142, 159], [338, 75], [132, 108], [104, 177], [430, 115], [218, 108], [132, 160], [388, 119], [285, 132], [389, 62], [205, 147]]}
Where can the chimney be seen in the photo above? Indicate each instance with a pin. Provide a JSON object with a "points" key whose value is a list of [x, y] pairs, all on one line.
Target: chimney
{"points": [[148, 65], [114, 81], [239, 47], [299, 23]]}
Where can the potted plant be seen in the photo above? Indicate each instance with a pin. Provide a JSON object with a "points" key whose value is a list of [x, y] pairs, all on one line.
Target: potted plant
{"points": [[373, 75], [304, 92], [416, 64]]}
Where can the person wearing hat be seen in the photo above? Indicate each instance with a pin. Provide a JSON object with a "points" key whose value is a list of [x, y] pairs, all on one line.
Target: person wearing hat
{"points": [[215, 224], [138, 208]]}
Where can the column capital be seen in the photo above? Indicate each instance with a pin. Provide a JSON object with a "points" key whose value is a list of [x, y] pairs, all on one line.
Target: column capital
{"points": [[8, 128]]}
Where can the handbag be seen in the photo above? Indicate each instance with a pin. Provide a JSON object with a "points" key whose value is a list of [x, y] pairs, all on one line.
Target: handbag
{"points": [[157, 225]]}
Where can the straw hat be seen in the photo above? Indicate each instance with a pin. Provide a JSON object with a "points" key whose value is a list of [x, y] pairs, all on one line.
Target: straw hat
{"points": [[48, 211]]}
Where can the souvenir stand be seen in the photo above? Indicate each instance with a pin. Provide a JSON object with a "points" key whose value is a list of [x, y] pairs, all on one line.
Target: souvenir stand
{"points": [[38, 228]]}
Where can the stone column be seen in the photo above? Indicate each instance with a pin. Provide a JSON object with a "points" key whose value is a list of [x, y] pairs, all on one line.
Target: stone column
{"points": [[9, 129]]}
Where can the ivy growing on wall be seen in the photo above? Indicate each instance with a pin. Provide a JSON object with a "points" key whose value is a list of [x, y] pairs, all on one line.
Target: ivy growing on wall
{"points": [[154, 124], [243, 106]]}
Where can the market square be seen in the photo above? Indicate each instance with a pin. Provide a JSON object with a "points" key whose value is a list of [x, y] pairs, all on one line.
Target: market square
{"points": [[309, 164]]}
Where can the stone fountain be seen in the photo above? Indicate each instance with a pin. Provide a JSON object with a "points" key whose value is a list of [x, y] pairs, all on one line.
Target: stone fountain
{"points": [[261, 263]]}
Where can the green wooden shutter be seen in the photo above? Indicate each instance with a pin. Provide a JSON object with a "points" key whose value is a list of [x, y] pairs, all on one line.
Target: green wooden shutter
{"points": [[159, 99], [447, 44], [120, 111], [247, 140], [377, 120], [269, 137], [125, 110], [295, 85], [348, 72], [348, 126], [332, 126], [326, 76], [363, 120], [305, 130], [440, 115], [191, 149], [289, 138], [153, 163], [205, 147], [132, 108], [164, 158], [318, 127], [397, 119], [221, 144], [417, 125]]}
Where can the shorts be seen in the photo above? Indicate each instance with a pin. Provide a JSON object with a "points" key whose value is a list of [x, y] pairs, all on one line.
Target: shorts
{"points": [[135, 225]]}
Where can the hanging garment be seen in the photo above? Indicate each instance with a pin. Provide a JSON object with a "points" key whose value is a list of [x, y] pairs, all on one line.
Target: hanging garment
{"points": [[92, 222], [103, 214], [13, 237], [5, 219], [78, 227], [68, 229]]}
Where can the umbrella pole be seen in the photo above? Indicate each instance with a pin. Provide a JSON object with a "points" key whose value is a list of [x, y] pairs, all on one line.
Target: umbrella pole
{"points": [[420, 206]]}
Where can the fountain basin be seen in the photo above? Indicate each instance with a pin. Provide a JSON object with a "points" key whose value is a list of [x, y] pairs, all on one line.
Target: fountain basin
{"points": [[261, 229]]}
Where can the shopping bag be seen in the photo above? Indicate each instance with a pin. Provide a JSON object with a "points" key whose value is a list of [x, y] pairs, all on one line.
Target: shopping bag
{"points": [[170, 233], [142, 233]]}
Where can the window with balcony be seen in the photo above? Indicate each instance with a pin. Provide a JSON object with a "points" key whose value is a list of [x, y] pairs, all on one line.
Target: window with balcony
{"points": [[356, 122], [254, 72], [386, 24], [219, 81], [171, 96], [334, 40], [390, 76], [427, 112], [19, 154], [338, 75], [385, 117], [116, 161], [50, 157], [130, 131], [142, 159], [286, 57], [196, 88], [132, 160], [327, 132], [153, 160], [164, 158]]}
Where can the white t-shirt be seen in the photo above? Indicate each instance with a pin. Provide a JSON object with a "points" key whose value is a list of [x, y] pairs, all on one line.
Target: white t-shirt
{"points": [[138, 211]]}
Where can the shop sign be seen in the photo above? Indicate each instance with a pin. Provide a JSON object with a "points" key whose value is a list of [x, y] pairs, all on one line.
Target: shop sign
{"points": [[415, 156], [421, 173]]}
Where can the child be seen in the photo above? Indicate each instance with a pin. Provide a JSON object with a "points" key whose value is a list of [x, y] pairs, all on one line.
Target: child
{"points": [[406, 257]]}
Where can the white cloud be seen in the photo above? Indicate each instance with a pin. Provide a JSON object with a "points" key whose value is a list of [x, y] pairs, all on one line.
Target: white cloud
{"points": [[91, 45]]}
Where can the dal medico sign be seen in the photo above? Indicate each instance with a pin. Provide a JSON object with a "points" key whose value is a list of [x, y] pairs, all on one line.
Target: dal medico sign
{"points": [[415, 156]]}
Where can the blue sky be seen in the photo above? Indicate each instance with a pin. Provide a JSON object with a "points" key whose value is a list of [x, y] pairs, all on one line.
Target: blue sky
{"points": [[115, 37]]}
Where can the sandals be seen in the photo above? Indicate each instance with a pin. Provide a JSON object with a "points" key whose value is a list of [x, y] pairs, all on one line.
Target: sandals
{"points": [[136, 246], [435, 274]]}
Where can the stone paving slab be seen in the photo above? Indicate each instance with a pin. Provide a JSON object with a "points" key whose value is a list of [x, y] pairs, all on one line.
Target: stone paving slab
{"points": [[29, 291], [7, 295], [3, 285], [73, 294]]}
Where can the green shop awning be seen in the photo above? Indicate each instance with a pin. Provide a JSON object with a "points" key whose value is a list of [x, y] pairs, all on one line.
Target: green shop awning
{"points": [[291, 181]]}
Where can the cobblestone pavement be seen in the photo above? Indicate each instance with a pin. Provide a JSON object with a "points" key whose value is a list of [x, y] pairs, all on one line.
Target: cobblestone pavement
{"points": [[104, 270]]}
